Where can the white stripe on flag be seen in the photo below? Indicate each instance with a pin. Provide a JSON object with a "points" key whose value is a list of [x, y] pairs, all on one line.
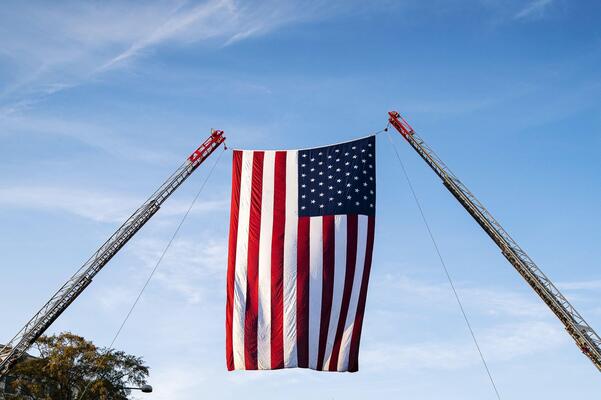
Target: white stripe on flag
{"points": [[290, 261], [315, 286], [264, 317], [343, 359], [241, 260], [340, 226]]}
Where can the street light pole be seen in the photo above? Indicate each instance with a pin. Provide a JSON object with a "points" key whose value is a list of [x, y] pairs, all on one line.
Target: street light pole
{"points": [[143, 388]]}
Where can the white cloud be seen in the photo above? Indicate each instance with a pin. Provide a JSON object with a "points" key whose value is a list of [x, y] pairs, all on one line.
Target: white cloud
{"points": [[497, 301], [499, 343], [580, 285], [487, 301], [534, 9], [47, 50], [93, 135], [100, 206], [521, 326], [184, 23], [192, 267]]}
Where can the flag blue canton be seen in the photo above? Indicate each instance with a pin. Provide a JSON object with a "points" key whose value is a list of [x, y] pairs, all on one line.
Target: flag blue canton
{"points": [[338, 179]]}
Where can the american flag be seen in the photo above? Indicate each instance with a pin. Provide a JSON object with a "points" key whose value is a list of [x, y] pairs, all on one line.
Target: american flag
{"points": [[300, 250]]}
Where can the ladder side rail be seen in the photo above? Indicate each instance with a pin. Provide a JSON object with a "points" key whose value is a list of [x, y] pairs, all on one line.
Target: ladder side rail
{"points": [[584, 335], [89, 267], [505, 240], [528, 262], [44, 320], [544, 287], [10, 353], [142, 215], [579, 329], [450, 179], [82, 270], [75, 285], [447, 175], [80, 274]]}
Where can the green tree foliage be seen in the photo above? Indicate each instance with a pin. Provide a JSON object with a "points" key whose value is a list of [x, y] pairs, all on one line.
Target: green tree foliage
{"points": [[70, 366]]}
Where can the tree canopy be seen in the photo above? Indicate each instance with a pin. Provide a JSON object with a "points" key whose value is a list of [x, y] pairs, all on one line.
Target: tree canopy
{"points": [[72, 368]]}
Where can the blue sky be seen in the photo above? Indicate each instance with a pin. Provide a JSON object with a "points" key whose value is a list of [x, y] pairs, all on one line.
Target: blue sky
{"points": [[100, 101]]}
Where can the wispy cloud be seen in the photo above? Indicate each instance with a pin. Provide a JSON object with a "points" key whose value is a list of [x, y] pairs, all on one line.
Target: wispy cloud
{"points": [[192, 268], [580, 285], [517, 325], [583, 294], [212, 19], [500, 343], [99, 206], [534, 9], [49, 50], [488, 301], [106, 139]]}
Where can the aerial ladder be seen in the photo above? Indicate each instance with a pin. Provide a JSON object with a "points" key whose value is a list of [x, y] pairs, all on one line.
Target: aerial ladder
{"points": [[586, 338], [14, 350]]}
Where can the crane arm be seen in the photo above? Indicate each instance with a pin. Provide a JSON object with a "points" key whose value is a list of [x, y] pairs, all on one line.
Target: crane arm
{"points": [[585, 336], [58, 303]]}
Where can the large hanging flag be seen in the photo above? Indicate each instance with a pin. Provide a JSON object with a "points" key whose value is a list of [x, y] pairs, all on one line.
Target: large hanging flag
{"points": [[300, 250]]}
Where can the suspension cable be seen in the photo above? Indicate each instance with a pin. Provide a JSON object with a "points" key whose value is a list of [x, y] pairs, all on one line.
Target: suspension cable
{"points": [[444, 267], [158, 263]]}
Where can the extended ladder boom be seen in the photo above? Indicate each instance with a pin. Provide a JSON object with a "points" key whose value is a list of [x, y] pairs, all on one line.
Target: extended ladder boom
{"points": [[17, 347], [584, 335]]}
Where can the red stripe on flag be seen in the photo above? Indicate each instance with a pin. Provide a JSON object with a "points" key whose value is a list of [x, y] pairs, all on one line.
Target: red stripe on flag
{"points": [[302, 292], [252, 288], [329, 243], [351, 260], [277, 262], [356, 336], [231, 265]]}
